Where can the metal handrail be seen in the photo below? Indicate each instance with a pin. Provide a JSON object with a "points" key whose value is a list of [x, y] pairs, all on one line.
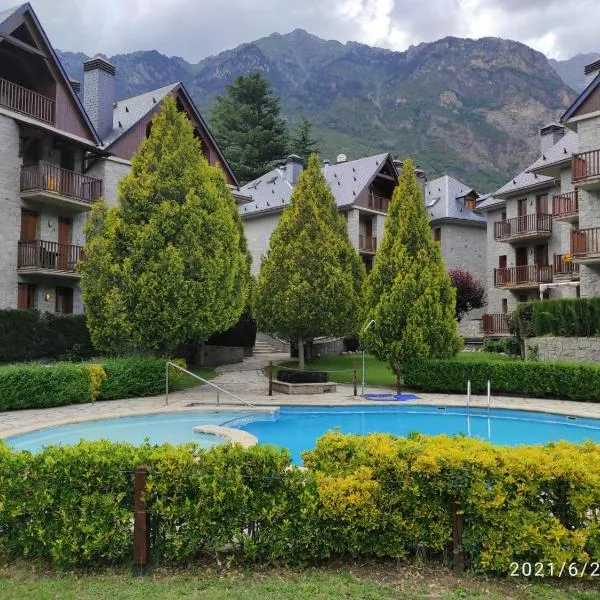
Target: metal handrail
{"points": [[220, 389]]}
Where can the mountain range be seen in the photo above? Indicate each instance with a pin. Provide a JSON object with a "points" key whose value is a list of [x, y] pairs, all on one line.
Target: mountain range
{"points": [[468, 108]]}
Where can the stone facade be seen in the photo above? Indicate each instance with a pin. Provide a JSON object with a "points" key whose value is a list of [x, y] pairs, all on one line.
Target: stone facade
{"points": [[464, 246], [565, 349]]}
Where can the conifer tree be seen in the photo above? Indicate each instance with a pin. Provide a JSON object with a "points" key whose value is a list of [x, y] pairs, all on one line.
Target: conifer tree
{"points": [[408, 294], [302, 141], [169, 262], [247, 123], [310, 280]]}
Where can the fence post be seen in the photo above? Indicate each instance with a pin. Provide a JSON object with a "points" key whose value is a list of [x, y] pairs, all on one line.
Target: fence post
{"points": [[270, 378], [458, 556], [166, 383], [354, 381], [141, 530]]}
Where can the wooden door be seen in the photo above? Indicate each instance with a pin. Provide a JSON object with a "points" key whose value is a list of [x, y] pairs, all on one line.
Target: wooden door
{"points": [[369, 228], [503, 273], [521, 264], [541, 255], [541, 204], [64, 300], [64, 243], [29, 220], [26, 299], [522, 220]]}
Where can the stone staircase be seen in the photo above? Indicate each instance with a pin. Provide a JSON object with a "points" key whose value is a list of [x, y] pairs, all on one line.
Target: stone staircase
{"points": [[263, 348]]}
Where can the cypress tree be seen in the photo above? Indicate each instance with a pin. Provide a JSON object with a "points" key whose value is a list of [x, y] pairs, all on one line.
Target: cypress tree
{"points": [[169, 263], [408, 294], [310, 280]]}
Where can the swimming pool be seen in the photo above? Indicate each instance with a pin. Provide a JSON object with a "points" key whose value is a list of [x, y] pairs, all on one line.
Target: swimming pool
{"points": [[298, 427]]}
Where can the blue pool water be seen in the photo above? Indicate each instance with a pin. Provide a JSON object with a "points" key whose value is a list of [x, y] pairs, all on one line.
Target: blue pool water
{"points": [[298, 427]]}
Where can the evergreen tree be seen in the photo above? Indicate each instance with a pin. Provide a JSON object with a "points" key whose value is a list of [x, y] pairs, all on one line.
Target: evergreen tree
{"points": [[302, 141], [408, 294], [310, 280], [169, 263], [247, 124]]}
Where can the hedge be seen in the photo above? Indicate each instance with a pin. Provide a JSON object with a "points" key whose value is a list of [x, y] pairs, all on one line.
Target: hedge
{"points": [[28, 335], [42, 386], [541, 379], [361, 497], [569, 317]]}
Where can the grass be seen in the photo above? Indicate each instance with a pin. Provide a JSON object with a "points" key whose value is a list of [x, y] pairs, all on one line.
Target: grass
{"points": [[364, 582], [377, 372], [187, 381]]}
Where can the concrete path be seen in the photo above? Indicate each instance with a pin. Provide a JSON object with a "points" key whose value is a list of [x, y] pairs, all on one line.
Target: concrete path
{"points": [[247, 381]]}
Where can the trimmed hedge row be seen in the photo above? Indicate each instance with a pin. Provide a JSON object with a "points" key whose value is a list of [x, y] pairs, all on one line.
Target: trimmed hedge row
{"points": [[373, 496], [28, 335], [39, 386], [542, 379], [569, 317]]}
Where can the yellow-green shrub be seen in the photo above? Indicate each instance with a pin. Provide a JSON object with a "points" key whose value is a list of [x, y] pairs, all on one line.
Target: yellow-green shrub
{"points": [[97, 376]]}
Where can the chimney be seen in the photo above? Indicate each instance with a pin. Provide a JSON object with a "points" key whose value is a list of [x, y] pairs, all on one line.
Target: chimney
{"points": [[549, 135], [99, 92], [293, 167], [341, 158], [591, 71]]}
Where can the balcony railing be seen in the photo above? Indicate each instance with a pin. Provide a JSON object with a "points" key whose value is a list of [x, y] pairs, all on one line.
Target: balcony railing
{"points": [[367, 243], [525, 225], [50, 178], [565, 205], [39, 254], [492, 323], [585, 165], [564, 266], [26, 101], [378, 203], [585, 243], [522, 275]]}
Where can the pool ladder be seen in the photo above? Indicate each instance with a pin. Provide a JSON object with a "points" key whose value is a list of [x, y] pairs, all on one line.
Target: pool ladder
{"points": [[489, 402], [219, 389]]}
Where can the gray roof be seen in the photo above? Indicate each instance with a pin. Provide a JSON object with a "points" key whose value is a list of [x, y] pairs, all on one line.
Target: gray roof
{"points": [[346, 180], [523, 181], [561, 151], [128, 112], [489, 201], [444, 199], [5, 14]]}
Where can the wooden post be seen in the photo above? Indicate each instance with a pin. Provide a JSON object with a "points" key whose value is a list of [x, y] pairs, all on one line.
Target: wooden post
{"points": [[141, 530], [354, 381], [458, 556], [270, 378]]}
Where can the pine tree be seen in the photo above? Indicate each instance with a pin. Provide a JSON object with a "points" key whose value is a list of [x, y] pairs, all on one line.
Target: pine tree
{"points": [[310, 280], [408, 294], [169, 263], [247, 124], [302, 142]]}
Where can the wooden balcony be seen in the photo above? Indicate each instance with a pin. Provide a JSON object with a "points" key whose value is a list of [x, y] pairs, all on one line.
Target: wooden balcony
{"points": [[494, 324], [39, 257], [563, 267], [367, 243], [585, 246], [528, 227], [585, 169], [565, 207], [27, 102], [522, 277], [378, 203], [50, 184]]}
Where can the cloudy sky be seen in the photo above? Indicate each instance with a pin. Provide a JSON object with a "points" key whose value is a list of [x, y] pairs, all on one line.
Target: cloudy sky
{"points": [[197, 28]]}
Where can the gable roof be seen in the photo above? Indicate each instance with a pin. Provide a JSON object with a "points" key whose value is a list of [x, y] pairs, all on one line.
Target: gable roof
{"points": [[272, 191], [444, 199], [127, 113], [579, 101], [524, 182], [560, 152], [7, 25], [489, 201]]}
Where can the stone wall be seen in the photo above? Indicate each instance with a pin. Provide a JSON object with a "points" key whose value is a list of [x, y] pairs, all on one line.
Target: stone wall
{"points": [[573, 349], [464, 247]]}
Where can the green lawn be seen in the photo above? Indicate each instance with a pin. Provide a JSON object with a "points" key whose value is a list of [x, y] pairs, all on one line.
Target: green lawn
{"points": [[187, 381], [377, 372], [370, 582]]}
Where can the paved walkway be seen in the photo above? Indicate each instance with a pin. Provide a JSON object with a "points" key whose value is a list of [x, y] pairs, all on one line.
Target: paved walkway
{"points": [[247, 381]]}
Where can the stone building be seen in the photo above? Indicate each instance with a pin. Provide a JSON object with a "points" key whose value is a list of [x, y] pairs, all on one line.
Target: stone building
{"points": [[60, 151]]}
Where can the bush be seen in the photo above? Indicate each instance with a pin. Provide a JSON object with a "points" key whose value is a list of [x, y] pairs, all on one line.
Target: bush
{"points": [[243, 333], [543, 379], [351, 343], [295, 376], [28, 335], [362, 496], [507, 345], [569, 317]]}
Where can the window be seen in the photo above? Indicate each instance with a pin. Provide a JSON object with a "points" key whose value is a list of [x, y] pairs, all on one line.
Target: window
{"points": [[470, 201], [522, 204], [504, 305], [541, 204], [64, 300], [503, 216], [522, 298], [437, 234], [27, 293]]}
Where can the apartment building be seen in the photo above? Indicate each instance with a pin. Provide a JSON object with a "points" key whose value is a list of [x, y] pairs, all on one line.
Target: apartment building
{"points": [[543, 237], [61, 150]]}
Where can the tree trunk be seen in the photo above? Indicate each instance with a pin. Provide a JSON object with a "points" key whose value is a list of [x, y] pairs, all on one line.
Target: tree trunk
{"points": [[300, 353], [398, 379]]}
